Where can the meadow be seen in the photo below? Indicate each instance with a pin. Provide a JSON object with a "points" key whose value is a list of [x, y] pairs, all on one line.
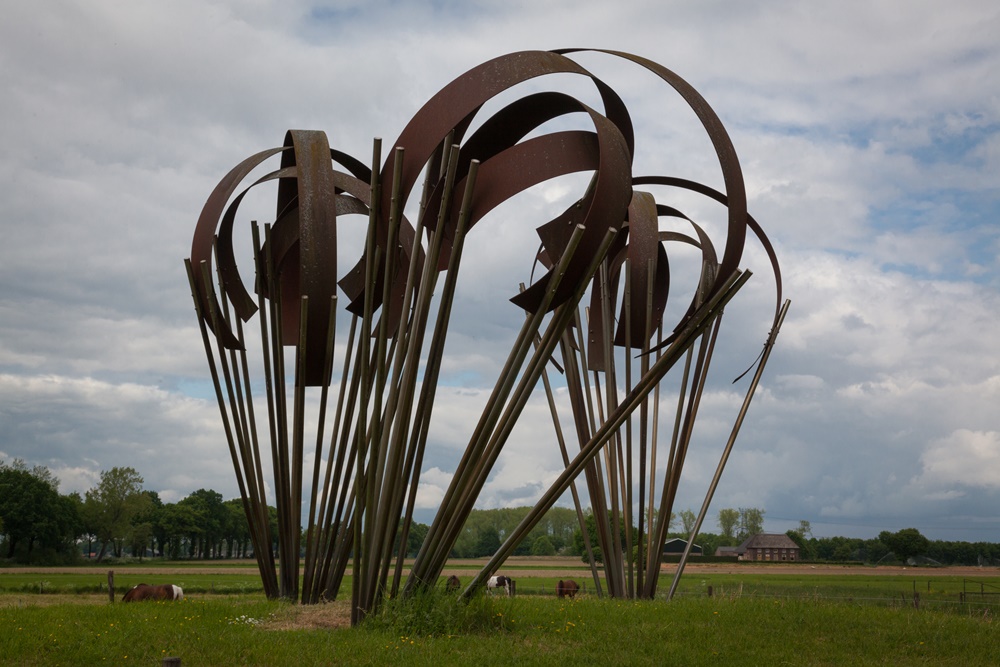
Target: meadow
{"points": [[857, 616]]}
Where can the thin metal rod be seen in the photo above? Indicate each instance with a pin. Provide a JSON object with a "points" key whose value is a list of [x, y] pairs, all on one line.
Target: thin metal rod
{"points": [[358, 609], [727, 450], [484, 445], [692, 328]]}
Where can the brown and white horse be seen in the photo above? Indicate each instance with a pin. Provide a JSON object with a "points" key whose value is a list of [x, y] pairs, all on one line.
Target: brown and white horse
{"points": [[147, 592], [500, 581]]}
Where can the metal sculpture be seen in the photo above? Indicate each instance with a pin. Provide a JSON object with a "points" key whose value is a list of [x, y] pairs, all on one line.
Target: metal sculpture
{"points": [[368, 442]]}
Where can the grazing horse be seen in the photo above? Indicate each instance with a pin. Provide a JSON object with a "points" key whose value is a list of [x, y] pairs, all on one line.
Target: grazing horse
{"points": [[500, 581], [453, 584], [567, 588], [147, 592]]}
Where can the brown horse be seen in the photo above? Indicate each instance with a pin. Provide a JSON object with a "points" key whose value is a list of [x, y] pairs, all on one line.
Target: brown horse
{"points": [[567, 588], [147, 592], [453, 583]]}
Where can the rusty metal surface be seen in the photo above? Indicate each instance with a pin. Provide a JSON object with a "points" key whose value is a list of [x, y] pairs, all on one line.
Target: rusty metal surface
{"points": [[613, 242]]}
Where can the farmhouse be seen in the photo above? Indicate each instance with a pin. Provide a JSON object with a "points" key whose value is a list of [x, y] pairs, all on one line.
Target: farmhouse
{"points": [[766, 546]]}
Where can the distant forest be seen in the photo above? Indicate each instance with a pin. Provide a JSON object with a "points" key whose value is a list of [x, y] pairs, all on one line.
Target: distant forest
{"points": [[119, 519]]}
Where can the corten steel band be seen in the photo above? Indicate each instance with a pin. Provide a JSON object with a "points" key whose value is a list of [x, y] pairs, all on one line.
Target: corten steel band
{"points": [[362, 408]]}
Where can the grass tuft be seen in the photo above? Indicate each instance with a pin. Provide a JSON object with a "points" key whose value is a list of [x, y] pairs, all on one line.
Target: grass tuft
{"points": [[439, 613]]}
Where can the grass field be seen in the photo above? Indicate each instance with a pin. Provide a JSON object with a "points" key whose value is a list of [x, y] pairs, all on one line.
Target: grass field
{"points": [[860, 617]]}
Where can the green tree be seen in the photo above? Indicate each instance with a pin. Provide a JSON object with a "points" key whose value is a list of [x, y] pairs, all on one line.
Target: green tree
{"points": [[237, 529], [845, 552], [112, 505], [805, 548], [559, 524], [180, 523], [905, 543], [214, 514], [88, 524], [670, 521], [415, 538], [488, 543], [709, 542], [751, 522], [23, 498], [79, 530], [688, 519], [33, 514], [542, 546], [824, 547], [728, 520], [591, 523], [139, 538], [873, 550], [144, 523], [580, 548]]}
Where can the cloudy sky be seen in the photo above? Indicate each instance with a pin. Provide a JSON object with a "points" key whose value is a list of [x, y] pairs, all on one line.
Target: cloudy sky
{"points": [[869, 136]]}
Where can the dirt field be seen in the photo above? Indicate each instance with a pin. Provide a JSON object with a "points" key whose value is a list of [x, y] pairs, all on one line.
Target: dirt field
{"points": [[550, 567], [133, 569], [802, 569]]}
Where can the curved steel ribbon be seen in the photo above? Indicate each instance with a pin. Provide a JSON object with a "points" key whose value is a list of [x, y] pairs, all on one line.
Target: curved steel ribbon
{"points": [[608, 238], [451, 111], [732, 175], [509, 166], [752, 224]]}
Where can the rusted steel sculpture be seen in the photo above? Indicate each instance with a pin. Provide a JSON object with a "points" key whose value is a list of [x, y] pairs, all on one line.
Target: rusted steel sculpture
{"points": [[276, 383]]}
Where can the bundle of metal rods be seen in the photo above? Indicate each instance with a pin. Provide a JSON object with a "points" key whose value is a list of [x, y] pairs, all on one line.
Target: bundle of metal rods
{"points": [[369, 442]]}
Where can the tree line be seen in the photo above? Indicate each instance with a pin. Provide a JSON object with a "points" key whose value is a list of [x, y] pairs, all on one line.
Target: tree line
{"points": [[906, 545], [120, 518]]}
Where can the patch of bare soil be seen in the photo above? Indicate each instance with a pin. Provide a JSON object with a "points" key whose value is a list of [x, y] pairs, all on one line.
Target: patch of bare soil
{"points": [[132, 569], [324, 616], [806, 569]]}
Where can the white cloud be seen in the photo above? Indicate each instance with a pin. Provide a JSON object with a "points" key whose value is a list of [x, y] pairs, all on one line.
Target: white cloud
{"points": [[963, 458], [79, 427], [433, 485], [869, 143]]}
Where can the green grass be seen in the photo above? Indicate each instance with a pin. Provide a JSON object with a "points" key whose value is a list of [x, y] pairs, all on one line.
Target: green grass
{"points": [[835, 586], [79, 582], [876, 589], [856, 619], [534, 630], [848, 587]]}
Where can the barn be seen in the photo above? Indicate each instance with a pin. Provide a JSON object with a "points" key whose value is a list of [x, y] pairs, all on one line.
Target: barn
{"points": [[675, 547]]}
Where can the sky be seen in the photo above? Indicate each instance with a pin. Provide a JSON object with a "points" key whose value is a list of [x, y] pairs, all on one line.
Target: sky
{"points": [[869, 138]]}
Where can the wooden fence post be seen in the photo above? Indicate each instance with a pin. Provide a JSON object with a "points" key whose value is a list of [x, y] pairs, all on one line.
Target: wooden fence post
{"points": [[111, 585], [709, 591]]}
